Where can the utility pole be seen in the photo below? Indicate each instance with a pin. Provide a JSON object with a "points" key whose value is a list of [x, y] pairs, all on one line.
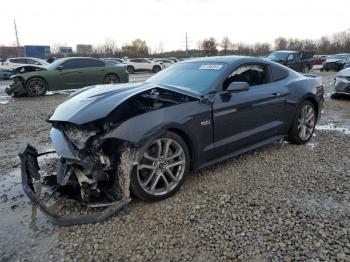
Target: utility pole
{"points": [[18, 49], [186, 45]]}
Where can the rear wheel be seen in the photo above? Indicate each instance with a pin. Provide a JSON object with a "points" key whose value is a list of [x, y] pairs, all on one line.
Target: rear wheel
{"points": [[156, 69], [111, 79], [130, 69], [36, 87], [162, 169], [304, 124]]}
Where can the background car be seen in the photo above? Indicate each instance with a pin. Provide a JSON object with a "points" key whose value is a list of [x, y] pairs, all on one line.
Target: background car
{"points": [[5, 73], [166, 62], [300, 61], [119, 60], [342, 83], [336, 62], [68, 73], [21, 61], [320, 59], [143, 64]]}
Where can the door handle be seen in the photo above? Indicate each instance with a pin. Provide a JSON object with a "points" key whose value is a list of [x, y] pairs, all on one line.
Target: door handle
{"points": [[276, 94]]}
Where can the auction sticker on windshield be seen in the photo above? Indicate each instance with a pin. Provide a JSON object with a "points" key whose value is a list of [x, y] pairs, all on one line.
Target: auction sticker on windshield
{"points": [[210, 67]]}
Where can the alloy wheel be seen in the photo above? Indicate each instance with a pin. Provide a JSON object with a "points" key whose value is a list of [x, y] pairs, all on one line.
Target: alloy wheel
{"points": [[161, 167], [111, 80], [37, 87], [306, 122]]}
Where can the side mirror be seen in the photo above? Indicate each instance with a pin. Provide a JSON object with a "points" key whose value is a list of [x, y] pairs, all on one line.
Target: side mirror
{"points": [[235, 87], [60, 67]]}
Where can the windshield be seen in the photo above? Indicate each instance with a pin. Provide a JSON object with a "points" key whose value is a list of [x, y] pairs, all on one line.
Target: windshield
{"points": [[340, 57], [53, 65], [197, 77], [276, 56], [41, 61]]}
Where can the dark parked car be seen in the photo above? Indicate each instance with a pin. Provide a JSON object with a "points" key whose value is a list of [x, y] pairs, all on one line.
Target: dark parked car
{"points": [[148, 136], [336, 62], [5, 73], [67, 73], [298, 61]]}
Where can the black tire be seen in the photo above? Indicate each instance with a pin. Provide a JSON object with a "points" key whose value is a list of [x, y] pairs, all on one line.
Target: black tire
{"points": [[111, 79], [36, 87], [306, 69], [135, 182], [130, 69], [156, 69], [336, 96], [294, 135]]}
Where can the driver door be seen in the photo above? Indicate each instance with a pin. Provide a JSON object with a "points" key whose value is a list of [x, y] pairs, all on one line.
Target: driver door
{"points": [[245, 118], [71, 75]]}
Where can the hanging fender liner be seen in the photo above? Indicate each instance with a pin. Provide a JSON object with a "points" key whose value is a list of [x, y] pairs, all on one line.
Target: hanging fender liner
{"points": [[30, 170]]}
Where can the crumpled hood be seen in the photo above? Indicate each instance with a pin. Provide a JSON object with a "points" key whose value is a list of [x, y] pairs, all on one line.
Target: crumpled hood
{"points": [[96, 102], [345, 72]]}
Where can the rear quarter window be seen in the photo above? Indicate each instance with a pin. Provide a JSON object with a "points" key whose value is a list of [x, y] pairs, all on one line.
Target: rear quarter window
{"points": [[278, 72]]}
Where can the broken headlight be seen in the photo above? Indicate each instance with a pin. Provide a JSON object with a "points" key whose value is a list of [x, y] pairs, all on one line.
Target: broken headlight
{"points": [[79, 137]]}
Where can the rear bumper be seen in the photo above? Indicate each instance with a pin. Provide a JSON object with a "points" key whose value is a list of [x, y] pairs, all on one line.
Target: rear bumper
{"points": [[30, 171]]}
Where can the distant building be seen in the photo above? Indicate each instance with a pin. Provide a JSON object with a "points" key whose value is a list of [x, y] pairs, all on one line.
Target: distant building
{"points": [[38, 51], [11, 51], [84, 49], [65, 50]]}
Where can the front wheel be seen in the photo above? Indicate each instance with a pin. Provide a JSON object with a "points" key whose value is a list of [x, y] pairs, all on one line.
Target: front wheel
{"points": [[156, 69], [304, 124], [36, 87], [130, 69], [162, 168]]}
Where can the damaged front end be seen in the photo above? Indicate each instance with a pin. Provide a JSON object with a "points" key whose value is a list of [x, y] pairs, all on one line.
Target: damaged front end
{"points": [[84, 173], [94, 164], [342, 82], [17, 87]]}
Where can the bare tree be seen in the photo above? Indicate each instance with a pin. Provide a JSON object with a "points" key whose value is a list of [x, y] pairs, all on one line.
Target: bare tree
{"points": [[225, 44], [210, 46], [281, 43]]}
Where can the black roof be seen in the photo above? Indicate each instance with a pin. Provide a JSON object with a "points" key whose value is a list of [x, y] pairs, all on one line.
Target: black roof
{"points": [[232, 59]]}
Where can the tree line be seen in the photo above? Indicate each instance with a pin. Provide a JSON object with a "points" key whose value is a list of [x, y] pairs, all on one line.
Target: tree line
{"points": [[336, 43]]}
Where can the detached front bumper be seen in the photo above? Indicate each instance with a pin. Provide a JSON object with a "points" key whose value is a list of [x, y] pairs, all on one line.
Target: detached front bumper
{"points": [[16, 89], [30, 171]]}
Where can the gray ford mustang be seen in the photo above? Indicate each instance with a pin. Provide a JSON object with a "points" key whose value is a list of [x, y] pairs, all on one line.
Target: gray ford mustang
{"points": [[147, 136]]}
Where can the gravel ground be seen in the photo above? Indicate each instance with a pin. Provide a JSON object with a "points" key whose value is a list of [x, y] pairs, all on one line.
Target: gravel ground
{"points": [[279, 203]]}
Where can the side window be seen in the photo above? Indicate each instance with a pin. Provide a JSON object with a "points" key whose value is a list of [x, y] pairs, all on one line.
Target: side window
{"points": [[252, 74], [93, 63], [18, 60], [296, 57], [72, 64], [291, 58], [32, 62]]}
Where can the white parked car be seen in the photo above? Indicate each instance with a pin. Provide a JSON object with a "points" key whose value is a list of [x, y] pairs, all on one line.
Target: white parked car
{"points": [[166, 62], [23, 61], [143, 64]]}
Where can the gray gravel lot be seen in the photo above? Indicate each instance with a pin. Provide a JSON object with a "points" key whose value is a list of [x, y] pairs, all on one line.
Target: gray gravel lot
{"points": [[280, 203]]}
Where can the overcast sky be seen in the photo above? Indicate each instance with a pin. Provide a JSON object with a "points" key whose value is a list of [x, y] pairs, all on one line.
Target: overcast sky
{"points": [[166, 21]]}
